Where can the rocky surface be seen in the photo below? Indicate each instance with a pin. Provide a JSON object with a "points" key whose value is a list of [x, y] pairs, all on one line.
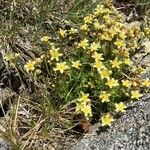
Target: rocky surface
{"points": [[130, 132], [142, 58], [4, 145]]}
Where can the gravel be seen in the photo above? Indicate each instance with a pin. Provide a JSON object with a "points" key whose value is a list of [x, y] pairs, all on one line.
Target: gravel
{"points": [[4, 145]]}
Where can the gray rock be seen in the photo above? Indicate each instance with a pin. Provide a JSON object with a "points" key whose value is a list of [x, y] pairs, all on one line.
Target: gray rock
{"points": [[130, 132], [142, 58], [146, 74], [4, 145]]}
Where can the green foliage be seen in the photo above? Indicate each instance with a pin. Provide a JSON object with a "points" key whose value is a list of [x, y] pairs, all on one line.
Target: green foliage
{"points": [[82, 64], [91, 61]]}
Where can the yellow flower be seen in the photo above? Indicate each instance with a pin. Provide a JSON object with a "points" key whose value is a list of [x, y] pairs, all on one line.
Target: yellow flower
{"points": [[87, 111], [119, 16], [84, 108], [45, 39], [61, 67], [119, 25], [122, 35], [9, 56], [119, 43], [76, 64], [97, 25], [54, 52], [120, 107], [108, 2], [97, 11], [128, 61], [138, 69], [115, 63], [83, 44], [29, 66], [109, 22], [88, 19], [97, 56], [107, 120], [135, 94], [126, 83], [147, 31], [112, 32], [130, 32], [73, 31], [104, 96], [62, 33], [84, 98], [84, 27], [79, 106], [115, 30], [105, 73], [106, 36], [106, 17], [112, 82], [100, 9], [146, 82], [99, 65], [94, 46]]}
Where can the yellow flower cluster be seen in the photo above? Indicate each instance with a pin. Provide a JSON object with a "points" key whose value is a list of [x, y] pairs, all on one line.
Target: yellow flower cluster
{"points": [[112, 82], [107, 120], [61, 67], [62, 33], [11, 56], [29, 66], [104, 96], [146, 82], [45, 38], [120, 107], [55, 54], [34, 65], [76, 64], [83, 44], [135, 94], [83, 105], [147, 31], [101, 54]]}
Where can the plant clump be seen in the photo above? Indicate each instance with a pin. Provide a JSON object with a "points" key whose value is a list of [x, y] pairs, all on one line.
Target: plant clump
{"points": [[90, 64]]}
